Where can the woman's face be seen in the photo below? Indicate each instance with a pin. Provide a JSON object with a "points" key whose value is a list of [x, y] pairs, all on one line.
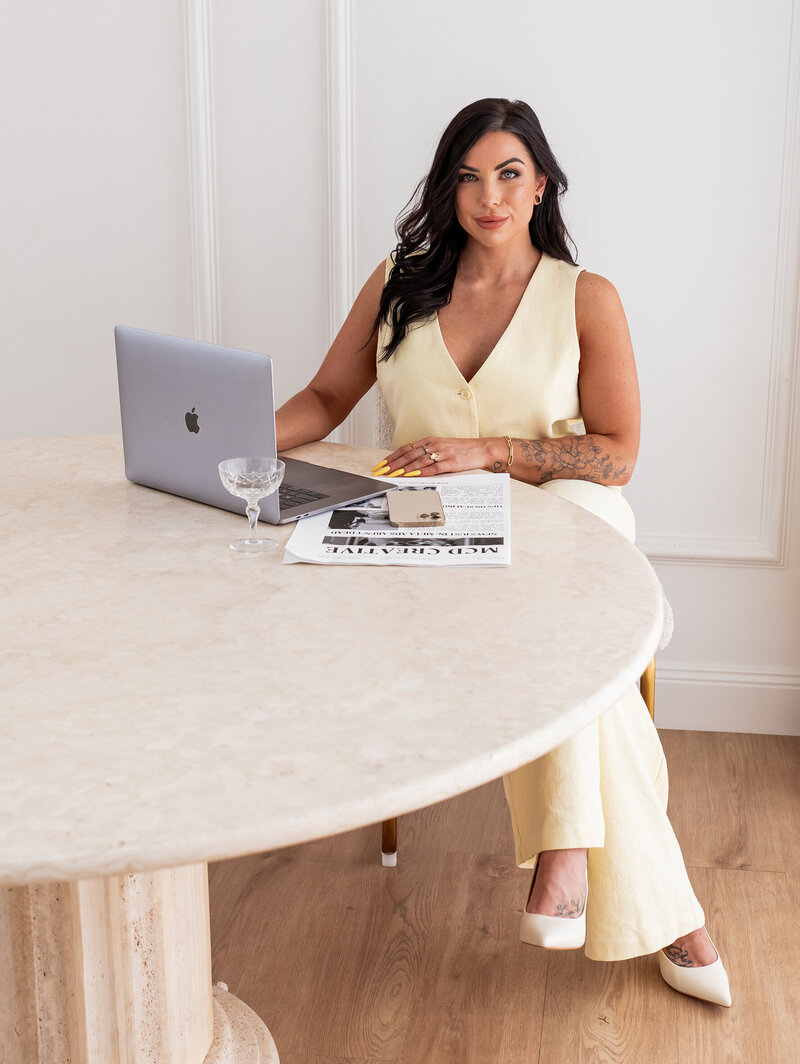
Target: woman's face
{"points": [[495, 192]]}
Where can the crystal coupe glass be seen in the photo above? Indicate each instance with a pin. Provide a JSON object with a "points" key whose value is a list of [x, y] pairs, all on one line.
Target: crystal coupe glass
{"points": [[252, 479]]}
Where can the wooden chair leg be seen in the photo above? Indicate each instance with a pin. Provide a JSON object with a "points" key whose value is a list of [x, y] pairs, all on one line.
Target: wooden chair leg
{"points": [[389, 842], [647, 685]]}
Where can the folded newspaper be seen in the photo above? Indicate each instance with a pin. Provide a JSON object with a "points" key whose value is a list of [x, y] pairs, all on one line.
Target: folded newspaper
{"points": [[476, 531]]}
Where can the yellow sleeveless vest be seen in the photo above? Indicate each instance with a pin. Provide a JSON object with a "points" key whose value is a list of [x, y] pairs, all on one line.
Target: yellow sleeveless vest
{"points": [[527, 387]]}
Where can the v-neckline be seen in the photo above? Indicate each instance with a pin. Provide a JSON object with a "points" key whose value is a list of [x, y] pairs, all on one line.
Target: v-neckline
{"points": [[502, 336]]}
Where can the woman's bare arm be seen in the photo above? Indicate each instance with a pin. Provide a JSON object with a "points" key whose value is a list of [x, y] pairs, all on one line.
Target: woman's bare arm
{"points": [[346, 374], [609, 398]]}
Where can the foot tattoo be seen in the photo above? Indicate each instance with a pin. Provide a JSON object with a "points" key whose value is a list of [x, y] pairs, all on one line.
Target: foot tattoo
{"points": [[572, 909], [679, 956]]}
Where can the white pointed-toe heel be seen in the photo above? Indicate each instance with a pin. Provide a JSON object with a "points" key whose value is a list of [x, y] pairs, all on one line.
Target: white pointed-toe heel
{"points": [[709, 983], [553, 932]]}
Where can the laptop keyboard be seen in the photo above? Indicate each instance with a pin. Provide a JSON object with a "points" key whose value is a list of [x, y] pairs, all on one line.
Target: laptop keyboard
{"points": [[289, 496]]}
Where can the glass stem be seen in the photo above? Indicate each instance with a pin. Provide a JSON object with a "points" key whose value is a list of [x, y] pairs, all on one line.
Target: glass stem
{"points": [[253, 510]]}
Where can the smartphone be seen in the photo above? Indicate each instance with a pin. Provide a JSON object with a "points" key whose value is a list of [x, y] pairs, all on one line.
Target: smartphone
{"points": [[415, 508]]}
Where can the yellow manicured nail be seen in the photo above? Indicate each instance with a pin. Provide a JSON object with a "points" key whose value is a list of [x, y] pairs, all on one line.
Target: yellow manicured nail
{"points": [[397, 473], [413, 473], [380, 465]]}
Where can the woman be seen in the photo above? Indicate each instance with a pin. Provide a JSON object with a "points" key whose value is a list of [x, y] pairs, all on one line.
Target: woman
{"points": [[494, 350]]}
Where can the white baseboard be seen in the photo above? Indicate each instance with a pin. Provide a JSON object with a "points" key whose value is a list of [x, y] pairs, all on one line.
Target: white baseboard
{"points": [[756, 700]]}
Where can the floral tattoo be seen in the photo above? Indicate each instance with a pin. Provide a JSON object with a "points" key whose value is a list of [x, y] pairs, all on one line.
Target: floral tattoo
{"points": [[573, 458]]}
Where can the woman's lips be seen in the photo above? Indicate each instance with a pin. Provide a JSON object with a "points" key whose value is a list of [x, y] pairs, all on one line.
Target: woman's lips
{"points": [[492, 221]]}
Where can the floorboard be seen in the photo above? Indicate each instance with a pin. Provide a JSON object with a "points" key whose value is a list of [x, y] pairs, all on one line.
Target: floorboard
{"points": [[352, 963], [734, 798]]}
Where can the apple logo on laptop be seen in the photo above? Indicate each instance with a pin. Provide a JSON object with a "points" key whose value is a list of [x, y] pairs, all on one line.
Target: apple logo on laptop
{"points": [[191, 421]]}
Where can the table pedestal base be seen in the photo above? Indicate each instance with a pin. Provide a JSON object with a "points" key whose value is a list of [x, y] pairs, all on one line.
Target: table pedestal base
{"points": [[118, 971], [240, 1035]]}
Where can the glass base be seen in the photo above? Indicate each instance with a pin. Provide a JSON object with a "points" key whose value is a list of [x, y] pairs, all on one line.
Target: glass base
{"points": [[253, 546]]}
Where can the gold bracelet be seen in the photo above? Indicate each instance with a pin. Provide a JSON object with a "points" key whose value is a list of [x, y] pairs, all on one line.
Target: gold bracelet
{"points": [[510, 453]]}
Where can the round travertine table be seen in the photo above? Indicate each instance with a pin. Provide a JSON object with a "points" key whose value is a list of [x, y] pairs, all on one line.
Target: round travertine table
{"points": [[166, 702]]}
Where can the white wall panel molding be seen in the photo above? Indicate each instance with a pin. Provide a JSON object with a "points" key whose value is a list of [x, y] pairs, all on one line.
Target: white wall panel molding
{"points": [[758, 700], [341, 182], [716, 675], [688, 550], [770, 547], [780, 457], [202, 170]]}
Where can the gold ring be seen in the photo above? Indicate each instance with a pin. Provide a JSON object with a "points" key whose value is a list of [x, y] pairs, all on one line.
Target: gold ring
{"points": [[412, 445], [434, 456]]}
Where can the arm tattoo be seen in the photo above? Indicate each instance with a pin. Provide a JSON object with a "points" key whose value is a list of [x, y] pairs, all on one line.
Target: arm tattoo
{"points": [[572, 458]]}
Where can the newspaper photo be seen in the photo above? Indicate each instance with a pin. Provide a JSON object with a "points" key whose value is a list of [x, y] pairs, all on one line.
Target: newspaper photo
{"points": [[476, 529]]}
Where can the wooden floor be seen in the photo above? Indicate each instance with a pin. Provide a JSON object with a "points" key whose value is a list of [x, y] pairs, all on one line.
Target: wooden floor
{"points": [[352, 963]]}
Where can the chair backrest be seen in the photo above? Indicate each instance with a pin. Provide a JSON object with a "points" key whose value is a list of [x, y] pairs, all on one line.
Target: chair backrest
{"points": [[383, 429]]}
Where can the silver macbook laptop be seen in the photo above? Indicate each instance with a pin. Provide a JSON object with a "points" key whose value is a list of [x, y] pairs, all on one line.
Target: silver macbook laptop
{"points": [[188, 405]]}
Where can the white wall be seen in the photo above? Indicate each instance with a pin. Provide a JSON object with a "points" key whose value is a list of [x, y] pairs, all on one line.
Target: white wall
{"points": [[93, 202], [269, 81], [678, 131]]}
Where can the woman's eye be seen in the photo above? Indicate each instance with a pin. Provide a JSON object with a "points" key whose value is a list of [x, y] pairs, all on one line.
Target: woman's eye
{"points": [[510, 173], [467, 177]]}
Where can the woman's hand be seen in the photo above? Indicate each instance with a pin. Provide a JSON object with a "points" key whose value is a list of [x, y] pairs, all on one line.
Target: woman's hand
{"points": [[443, 454]]}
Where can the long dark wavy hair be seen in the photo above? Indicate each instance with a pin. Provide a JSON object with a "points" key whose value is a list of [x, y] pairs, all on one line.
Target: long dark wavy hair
{"points": [[430, 237]]}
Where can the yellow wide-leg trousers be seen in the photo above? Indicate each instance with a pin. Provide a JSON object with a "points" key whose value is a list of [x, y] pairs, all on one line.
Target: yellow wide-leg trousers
{"points": [[606, 789]]}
